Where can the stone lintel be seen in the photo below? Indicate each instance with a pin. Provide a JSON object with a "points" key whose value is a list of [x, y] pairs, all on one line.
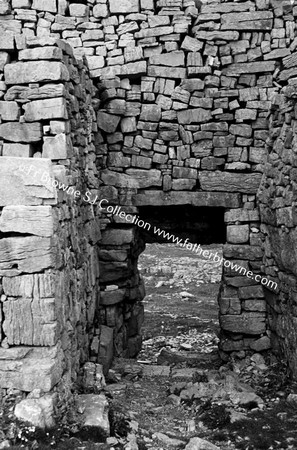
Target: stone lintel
{"points": [[211, 199]]}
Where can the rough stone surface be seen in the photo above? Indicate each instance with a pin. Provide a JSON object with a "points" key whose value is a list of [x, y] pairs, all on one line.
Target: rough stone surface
{"points": [[37, 368], [9, 110], [46, 109], [125, 6], [248, 323], [30, 186], [229, 182], [174, 109], [200, 444], [21, 132], [45, 5], [37, 220], [40, 53], [47, 100], [38, 412], [17, 150], [25, 255], [95, 413], [35, 71], [57, 147]]}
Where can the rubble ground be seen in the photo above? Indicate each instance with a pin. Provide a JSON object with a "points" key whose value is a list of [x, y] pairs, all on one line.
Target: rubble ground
{"points": [[178, 394], [178, 388]]}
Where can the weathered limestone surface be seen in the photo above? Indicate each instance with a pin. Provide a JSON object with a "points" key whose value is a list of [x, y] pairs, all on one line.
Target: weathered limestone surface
{"points": [[28, 368], [278, 215], [190, 127], [124, 7], [172, 104], [23, 181], [105, 347], [17, 150], [25, 255], [217, 35], [35, 71], [229, 182], [21, 132], [95, 411], [254, 67], [40, 53], [45, 5], [37, 411], [198, 443], [248, 323], [215, 199], [23, 286], [56, 147], [54, 108], [49, 268], [37, 220], [9, 110], [50, 90]]}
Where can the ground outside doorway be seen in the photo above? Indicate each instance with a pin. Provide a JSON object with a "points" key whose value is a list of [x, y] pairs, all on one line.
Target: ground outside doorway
{"points": [[178, 393]]}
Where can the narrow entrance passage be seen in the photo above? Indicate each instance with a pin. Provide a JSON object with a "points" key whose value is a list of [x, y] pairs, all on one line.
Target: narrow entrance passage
{"points": [[181, 307], [178, 388], [182, 285]]}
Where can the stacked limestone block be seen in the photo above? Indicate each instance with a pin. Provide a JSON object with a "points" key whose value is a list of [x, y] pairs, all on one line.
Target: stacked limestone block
{"points": [[185, 95], [277, 198], [49, 268], [82, 27], [122, 289]]}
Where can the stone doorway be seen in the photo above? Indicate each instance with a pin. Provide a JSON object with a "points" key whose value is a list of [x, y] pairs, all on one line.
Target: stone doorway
{"points": [[181, 312], [166, 217]]}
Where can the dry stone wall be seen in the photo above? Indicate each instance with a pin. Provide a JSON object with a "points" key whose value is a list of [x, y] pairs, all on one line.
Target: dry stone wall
{"points": [[49, 270], [277, 197], [169, 98], [185, 95]]}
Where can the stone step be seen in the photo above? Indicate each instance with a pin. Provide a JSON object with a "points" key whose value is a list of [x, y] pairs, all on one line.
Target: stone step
{"points": [[95, 412], [29, 368]]}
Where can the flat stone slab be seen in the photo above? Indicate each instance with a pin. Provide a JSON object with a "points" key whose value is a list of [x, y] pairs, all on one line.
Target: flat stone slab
{"points": [[116, 388], [36, 220], [34, 93], [159, 198], [156, 371], [95, 411], [252, 67], [186, 373], [226, 7], [173, 443], [123, 6], [197, 443], [230, 182], [146, 178], [37, 411], [35, 71], [248, 323], [252, 25], [217, 35], [29, 368], [53, 108], [20, 255], [21, 132], [23, 181]]}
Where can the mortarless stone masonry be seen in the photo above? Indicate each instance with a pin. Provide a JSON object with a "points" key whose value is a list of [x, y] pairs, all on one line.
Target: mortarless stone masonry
{"points": [[141, 103]]}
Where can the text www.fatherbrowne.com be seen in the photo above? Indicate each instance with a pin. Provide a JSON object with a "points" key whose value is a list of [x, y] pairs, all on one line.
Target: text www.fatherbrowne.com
{"points": [[185, 243], [135, 220]]}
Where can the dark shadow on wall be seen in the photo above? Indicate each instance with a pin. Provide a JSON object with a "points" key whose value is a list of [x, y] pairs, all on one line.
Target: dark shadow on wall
{"points": [[201, 225]]}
